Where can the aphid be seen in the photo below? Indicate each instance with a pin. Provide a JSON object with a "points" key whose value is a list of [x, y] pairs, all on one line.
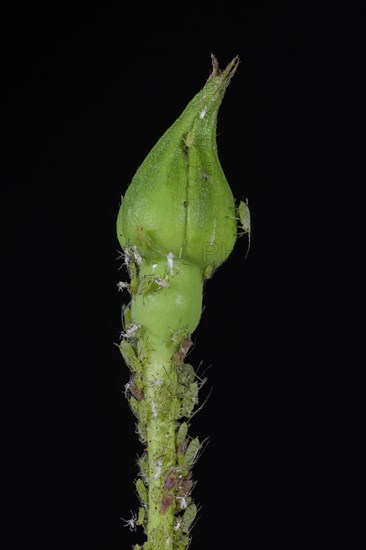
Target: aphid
{"points": [[158, 464], [146, 243], [166, 502], [175, 409], [136, 255], [131, 331], [177, 522], [131, 523], [183, 502], [181, 449], [208, 272], [189, 138], [172, 479], [141, 429], [177, 358], [162, 282], [179, 335], [182, 543], [134, 404], [144, 411], [153, 409], [125, 256], [142, 347], [185, 485], [185, 346], [129, 356], [190, 455], [135, 391], [244, 217], [188, 517], [143, 463], [189, 399], [141, 491], [170, 262], [141, 516], [126, 315], [188, 373], [121, 285], [181, 435], [146, 283]]}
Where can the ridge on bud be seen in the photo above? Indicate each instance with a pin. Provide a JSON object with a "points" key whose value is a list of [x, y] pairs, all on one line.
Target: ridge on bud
{"points": [[179, 201]]}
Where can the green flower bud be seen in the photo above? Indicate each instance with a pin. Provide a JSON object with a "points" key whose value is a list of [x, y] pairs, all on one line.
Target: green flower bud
{"points": [[179, 201]]}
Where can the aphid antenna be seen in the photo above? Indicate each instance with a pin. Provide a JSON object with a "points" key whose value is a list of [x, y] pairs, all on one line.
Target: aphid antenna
{"points": [[201, 450], [204, 372], [203, 404]]}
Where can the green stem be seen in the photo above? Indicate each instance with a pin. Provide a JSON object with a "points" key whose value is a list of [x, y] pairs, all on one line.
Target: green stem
{"points": [[161, 381]]}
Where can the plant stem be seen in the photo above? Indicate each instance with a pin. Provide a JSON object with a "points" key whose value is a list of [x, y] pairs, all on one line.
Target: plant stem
{"points": [[161, 429]]}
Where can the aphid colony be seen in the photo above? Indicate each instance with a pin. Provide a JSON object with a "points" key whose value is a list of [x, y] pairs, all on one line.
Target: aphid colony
{"points": [[173, 397]]}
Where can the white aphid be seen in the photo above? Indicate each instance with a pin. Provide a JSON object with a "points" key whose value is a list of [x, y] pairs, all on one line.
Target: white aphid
{"points": [[177, 524], [131, 523], [170, 262], [183, 502], [158, 466], [153, 408], [162, 282], [203, 113], [127, 255], [130, 331], [121, 285], [136, 255]]}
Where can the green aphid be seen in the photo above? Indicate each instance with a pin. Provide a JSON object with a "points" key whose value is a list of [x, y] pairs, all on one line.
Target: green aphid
{"points": [[182, 543], [141, 430], [129, 355], [142, 346], [146, 285], [245, 223], [141, 491], [181, 434], [175, 408], [189, 399], [179, 335], [134, 404], [141, 516], [208, 272], [188, 517], [127, 316], [186, 374], [144, 411], [191, 453], [146, 245], [143, 463], [132, 269], [189, 138]]}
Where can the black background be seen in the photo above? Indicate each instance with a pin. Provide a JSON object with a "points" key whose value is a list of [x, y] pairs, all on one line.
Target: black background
{"points": [[85, 94]]}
